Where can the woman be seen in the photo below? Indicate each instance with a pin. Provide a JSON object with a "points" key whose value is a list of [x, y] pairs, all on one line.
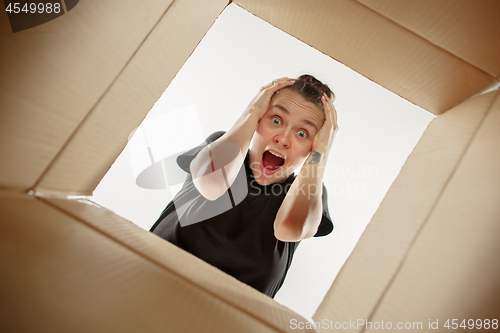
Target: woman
{"points": [[242, 209]]}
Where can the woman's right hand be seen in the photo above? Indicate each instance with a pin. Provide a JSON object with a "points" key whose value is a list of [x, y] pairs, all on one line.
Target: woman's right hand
{"points": [[212, 185], [260, 103]]}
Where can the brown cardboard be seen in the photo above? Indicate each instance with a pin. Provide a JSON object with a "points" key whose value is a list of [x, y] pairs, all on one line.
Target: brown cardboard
{"points": [[378, 48], [188, 267], [99, 140], [469, 32], [52, 76], [407, 206], [453, 268], [91, 75], [76, 276]]}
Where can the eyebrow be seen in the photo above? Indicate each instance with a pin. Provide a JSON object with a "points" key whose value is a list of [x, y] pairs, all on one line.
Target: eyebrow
{"points": [[304, 120]]}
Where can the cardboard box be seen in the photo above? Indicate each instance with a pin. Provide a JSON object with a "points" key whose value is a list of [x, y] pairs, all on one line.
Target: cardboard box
{"points": [[69, 100]]}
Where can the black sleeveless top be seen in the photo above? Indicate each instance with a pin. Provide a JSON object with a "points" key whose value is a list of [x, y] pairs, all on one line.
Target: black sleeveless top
{"points": [[234, 233]]}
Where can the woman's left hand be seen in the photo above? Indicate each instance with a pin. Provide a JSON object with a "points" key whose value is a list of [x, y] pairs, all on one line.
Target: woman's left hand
{"points": [[324, 138]]}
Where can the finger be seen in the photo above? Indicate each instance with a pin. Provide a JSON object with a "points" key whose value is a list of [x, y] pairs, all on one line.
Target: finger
{"points": [[273, 83], [327, 107], [330, 112], [332, 98], [281, 83], [334, 118], [278, 84]]}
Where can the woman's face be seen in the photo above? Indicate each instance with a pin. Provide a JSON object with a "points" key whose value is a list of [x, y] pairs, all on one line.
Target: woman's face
{"points": [[284, 137]]}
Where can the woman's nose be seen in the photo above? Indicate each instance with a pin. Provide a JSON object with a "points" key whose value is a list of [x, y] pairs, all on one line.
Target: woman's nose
{"points": [[283, 138]]}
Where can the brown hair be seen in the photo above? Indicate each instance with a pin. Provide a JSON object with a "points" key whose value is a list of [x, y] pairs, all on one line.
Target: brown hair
{"points": [[311, 89]]}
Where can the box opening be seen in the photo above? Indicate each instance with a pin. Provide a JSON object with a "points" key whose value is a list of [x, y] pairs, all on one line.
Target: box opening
{"points": [[238, 55]]}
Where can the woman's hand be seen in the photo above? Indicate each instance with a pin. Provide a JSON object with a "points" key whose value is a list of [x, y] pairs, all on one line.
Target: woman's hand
{"points": [[324, 138], [260, 103]]}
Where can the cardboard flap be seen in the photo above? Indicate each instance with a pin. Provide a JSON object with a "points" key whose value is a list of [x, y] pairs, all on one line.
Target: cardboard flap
{"points": [[405, 209], [378, 48], [453, 267], [180, 262], [470, 30], [53, 75], [99, 140], [83, 269]]}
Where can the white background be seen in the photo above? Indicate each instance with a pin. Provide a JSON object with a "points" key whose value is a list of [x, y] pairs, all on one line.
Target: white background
{"points": [[241, 53]]}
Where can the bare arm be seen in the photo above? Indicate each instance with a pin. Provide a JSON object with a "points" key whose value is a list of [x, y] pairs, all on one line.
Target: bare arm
{"points": [[208, 177], [300, 213]]}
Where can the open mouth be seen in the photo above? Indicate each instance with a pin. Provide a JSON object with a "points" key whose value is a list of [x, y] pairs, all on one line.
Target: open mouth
{"points": [[271, 161]]}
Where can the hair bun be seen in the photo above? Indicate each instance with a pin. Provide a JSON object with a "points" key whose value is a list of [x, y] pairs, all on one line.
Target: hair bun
{"points": [[309, 79], [311, 89]]}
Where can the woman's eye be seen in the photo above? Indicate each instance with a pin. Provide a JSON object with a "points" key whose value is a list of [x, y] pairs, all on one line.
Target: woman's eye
{"points": [[302, 134], [276, 121]]}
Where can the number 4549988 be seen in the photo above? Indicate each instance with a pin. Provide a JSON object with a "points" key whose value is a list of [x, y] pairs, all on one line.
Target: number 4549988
{"points": [[33, 8], [472, 324]]}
